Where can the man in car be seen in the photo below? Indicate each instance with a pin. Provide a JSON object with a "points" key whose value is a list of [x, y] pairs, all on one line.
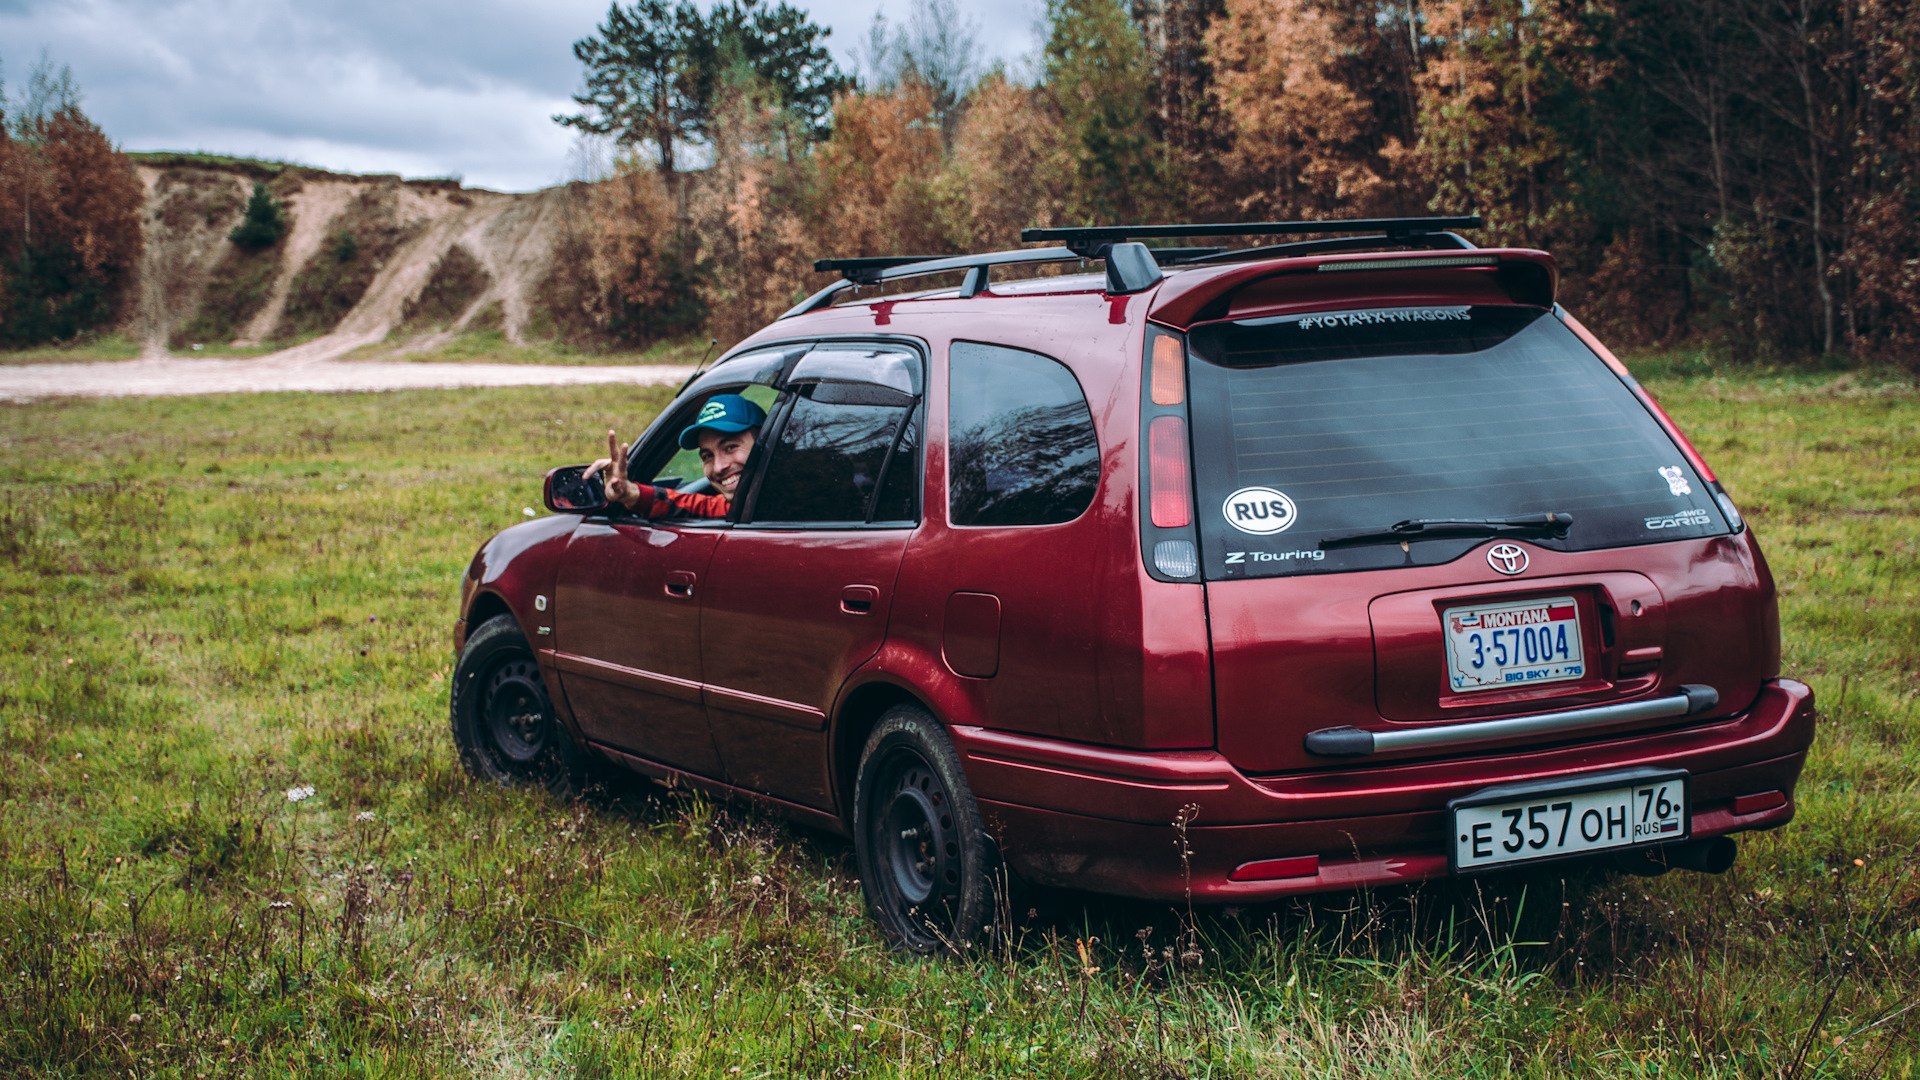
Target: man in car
{"points": [[723, 432]]}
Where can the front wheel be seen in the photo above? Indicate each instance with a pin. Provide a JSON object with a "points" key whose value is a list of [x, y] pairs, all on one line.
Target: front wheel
{"points": [[926, 863], [503, 721]]}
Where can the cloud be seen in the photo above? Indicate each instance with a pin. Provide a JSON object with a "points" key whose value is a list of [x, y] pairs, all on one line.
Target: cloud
{"points": [[419, 87]]}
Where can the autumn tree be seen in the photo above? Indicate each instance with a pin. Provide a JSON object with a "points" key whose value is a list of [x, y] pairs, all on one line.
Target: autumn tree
{"points": [[1006, 171], [750, 212], [1306, 143], [878, 172], [70, 237]]}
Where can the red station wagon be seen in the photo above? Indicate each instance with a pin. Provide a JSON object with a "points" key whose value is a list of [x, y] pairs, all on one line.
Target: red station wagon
{"points": [[1230, 574]]}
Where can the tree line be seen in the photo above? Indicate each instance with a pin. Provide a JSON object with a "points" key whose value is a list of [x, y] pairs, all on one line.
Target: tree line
{"points": [[1739, 172], [70, 237]]}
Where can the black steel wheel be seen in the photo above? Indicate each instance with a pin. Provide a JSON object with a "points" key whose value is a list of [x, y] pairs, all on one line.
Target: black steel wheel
{"points": [[925, 860], [503, 721]]}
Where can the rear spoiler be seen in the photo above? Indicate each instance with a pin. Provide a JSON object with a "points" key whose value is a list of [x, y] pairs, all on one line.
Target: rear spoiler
{"points": [[1201, 294]]}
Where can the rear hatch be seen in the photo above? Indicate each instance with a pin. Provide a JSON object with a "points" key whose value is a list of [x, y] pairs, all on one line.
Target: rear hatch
{"points": [[1421, 516]]}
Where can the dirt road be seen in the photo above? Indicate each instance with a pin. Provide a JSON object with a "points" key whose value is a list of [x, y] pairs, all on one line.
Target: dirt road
{"points": [[289, 370]]}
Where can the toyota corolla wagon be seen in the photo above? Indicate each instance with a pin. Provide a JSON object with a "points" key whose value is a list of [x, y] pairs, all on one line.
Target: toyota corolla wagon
{"points": [[1231, 574]]}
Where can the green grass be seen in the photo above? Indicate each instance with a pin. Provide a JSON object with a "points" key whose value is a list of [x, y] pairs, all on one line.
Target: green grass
{"points": [[89, 349], [492, 347], [208, 602]]}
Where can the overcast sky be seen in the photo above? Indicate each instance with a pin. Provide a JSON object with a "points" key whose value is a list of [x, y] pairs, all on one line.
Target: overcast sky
{"points": [[417, 87]]}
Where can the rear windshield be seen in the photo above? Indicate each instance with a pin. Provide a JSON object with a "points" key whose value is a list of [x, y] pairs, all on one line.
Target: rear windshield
{"points": [[1312, 428]]}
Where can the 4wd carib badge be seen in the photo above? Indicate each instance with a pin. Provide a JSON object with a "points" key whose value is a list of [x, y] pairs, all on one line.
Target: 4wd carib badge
{"points": [[1261, 511]]}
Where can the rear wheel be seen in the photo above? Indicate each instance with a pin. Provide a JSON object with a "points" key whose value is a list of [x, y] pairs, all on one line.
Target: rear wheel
{"points": [[926, 862], [503, 721]]}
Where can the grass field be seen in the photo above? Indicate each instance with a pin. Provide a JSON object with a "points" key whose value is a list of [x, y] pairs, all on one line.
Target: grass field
{"points": [[213, 605], [492, 347], [480, 346]]}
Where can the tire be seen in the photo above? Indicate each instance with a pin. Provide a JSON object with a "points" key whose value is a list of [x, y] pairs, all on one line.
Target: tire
{"points": [[503, 721], [926, 863]]}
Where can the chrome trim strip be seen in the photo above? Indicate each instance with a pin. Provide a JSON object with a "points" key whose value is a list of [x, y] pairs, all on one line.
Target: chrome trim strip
{"points": [[1357, 742]]}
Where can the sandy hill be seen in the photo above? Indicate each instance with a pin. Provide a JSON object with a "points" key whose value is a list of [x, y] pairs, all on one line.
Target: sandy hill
{"points": [[362, 258]]}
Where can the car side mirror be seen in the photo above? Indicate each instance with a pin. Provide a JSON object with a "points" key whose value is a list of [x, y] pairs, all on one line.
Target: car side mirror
{"points": [[568, 491]]}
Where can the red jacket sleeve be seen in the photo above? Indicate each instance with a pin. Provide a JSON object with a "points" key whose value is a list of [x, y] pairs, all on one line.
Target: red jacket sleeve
{"points": [[658, 502]]}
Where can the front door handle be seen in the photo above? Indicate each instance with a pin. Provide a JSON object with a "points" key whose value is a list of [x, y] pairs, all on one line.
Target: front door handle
{"points": [[680, 584], [858, 599]]}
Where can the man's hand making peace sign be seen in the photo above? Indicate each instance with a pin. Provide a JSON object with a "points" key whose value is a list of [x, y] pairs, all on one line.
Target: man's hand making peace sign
{"points": [[619, 489]]}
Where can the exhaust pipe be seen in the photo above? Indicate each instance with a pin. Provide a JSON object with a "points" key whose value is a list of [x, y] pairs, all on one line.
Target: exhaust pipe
{"points": [[1712, 856], [1707, 856]]}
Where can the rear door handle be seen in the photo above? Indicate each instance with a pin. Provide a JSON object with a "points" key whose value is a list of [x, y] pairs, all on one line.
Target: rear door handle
{"points": [[858, 599], [680, 584]]}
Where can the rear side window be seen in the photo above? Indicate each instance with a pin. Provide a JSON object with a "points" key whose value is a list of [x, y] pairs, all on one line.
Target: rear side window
{"points": [[1020, 445], [1311, 429]]}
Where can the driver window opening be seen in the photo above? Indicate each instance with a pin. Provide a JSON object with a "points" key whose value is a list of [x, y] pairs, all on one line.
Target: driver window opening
{"points": [[682, 471]]}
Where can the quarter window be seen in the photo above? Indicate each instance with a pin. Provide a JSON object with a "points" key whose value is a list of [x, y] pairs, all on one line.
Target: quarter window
{"points": [[1021, 448]]}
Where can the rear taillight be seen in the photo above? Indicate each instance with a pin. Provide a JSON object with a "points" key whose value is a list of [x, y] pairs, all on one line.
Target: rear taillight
{"points": [[1168, 540], [1169, 481], [1169, 371]]}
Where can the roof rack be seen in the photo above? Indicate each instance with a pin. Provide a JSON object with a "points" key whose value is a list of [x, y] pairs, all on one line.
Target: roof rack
{"points": [[1131, 268], [1088, 241]]}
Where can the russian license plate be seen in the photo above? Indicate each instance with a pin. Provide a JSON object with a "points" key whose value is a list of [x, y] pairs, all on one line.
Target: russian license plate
{"points": [[1518, 644], [1503, 826]]}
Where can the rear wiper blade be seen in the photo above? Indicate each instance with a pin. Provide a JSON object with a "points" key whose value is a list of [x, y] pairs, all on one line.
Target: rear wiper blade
{"points": [[1553, 525]]}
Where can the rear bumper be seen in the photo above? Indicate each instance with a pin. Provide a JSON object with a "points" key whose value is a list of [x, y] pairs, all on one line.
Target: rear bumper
{"points": [[1087, 817]]}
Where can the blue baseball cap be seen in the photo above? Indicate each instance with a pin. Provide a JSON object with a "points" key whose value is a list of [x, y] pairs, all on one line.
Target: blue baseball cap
{"points": [[727, 412]]}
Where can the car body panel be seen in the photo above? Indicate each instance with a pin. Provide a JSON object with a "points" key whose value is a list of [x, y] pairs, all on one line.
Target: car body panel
{"points": [[779, 637], [627, 638]]}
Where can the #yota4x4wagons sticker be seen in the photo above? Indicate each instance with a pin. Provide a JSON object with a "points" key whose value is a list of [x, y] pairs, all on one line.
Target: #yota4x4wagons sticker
{"points": [[1261, 511]]}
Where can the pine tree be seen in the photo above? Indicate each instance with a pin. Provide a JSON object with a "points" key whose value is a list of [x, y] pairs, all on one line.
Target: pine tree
{"points": [[263, 224], [1100, 80]]}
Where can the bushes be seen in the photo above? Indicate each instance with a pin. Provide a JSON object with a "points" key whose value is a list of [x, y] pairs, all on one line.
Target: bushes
{"points": [[458, 280], [335, 279], [239, 288]]}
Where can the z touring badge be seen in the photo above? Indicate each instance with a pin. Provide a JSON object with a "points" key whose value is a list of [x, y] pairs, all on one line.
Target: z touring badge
{"points": [[1261, 511]]}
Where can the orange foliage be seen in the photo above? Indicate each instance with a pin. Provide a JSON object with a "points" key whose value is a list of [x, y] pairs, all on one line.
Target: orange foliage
{"points": [[65, 189], [1306, 141], [757, 251], [95, 206], [878, 170], [630, 220], [1007, 170]]}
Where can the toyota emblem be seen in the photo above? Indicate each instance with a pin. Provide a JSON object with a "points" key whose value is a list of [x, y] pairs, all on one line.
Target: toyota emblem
{"points": [[1507, 558]]}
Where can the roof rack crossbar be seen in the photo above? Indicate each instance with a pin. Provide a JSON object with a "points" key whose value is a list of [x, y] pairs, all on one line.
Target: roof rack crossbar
{"points": [[1433, 241], [1086, 240], [866, 271]]}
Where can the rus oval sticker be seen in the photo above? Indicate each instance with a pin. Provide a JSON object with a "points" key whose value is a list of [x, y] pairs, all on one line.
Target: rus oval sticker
{"points": [[1259, 510]]}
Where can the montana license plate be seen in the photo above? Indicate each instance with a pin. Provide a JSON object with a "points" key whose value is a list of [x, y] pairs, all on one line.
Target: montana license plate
{"points": [[1513, 645], [1503, 826]]}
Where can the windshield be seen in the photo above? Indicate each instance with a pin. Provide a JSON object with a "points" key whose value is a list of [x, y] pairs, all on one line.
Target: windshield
{"points": [[1313, 427]]}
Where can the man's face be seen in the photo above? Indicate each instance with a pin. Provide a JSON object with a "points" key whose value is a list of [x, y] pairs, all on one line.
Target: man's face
{"points": [[723, 457]]}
